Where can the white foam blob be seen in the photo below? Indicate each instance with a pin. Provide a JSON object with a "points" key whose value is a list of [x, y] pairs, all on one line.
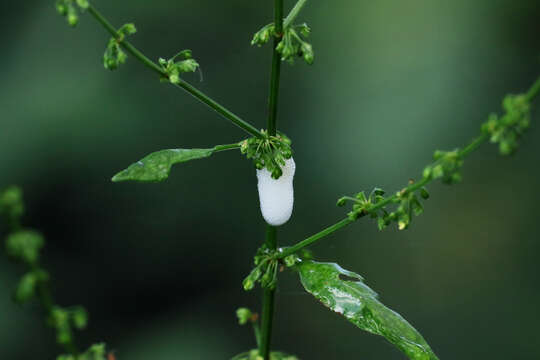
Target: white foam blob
{"points": [[277, 196]]}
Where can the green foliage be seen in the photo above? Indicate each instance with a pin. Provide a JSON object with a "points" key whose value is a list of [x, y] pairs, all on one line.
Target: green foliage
{"points": [[28, 285], [254, 355], [174, 68], [11, 204], [157, 166], [244, 315], [508, 129], [114, 55], [24, 246], [345, 293], [446, 167], [265, 271], [95, 352], [292, 42], [68, 9], [268, 152]]}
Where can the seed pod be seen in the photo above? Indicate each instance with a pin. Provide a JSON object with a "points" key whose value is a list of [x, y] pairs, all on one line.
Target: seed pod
{"points": [[276, 196]]}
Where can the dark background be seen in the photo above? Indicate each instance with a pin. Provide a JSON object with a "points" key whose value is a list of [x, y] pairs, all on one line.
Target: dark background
{"points": [[159, 266]]}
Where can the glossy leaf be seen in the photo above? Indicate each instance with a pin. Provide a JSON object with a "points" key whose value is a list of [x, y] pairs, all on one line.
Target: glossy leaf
{"points": [[157, 166], [345, 293]]}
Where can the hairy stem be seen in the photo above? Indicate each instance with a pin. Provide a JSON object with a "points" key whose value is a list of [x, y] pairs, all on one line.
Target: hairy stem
{"points": [[294, 13], [182, 84], [532, 93]]}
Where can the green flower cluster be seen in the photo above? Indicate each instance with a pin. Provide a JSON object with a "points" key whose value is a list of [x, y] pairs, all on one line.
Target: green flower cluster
{"points": [[95, 352], [508, 129], [268, 152], [64, 320], [292, 43], [174, 68], [265, 271], [24, 246], [374, 205], [447, 167], [68, 9], [114, 55]]}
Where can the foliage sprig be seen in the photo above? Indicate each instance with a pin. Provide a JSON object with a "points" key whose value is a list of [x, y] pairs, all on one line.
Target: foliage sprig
{"points": [[173, 69], [24, 246], [292, 42], [70, 9], [114, 55], [268, 152], [507, 129]]}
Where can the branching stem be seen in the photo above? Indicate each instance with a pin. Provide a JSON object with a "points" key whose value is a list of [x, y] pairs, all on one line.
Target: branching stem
{"points": [[182, 84], [532, 93]]}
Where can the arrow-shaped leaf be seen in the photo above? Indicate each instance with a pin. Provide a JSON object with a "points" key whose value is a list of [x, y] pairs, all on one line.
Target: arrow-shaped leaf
{"points": [[157, 166], [345, 293]]}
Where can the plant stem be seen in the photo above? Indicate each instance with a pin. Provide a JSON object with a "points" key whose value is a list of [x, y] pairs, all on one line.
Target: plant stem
{"points": [[532, 93], [182, 84], [219, 148], [294, 13], [271, 238], [268, 302], [276, 70]]}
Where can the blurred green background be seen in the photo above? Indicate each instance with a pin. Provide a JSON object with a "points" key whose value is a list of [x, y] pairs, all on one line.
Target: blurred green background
{"points": [[159, 266]]}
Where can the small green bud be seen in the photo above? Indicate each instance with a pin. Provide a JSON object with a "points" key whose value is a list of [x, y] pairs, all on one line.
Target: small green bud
{"points": [[26, 289], [11, 202], [361, 196], [276, 173], [381, 223], [438, 154], [61, 8], [127, 29], [307, 52], [72, 17], [83, 4], [341, 202], [424, 193], [79, 317], [243, 315], [290, 260]]}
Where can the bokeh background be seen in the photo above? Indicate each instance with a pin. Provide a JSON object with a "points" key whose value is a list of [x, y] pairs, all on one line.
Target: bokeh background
{"points": [[159, 266]]}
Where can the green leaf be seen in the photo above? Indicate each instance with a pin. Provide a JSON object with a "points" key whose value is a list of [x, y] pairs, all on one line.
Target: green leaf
{"points": [[157, 166], [345, 293]]}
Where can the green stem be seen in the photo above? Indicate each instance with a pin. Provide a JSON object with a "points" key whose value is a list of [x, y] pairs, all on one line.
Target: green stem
{"points": [[276, 70], [47, 302], [183, 85], [294, 13], [532, 93], [271, 241], [268, 303], [219, 148], [310, 240]]}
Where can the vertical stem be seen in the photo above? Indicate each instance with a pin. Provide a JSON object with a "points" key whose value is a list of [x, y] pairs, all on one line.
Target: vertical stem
{"points": [[276, 69], [271, 239], [268, 302]]}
